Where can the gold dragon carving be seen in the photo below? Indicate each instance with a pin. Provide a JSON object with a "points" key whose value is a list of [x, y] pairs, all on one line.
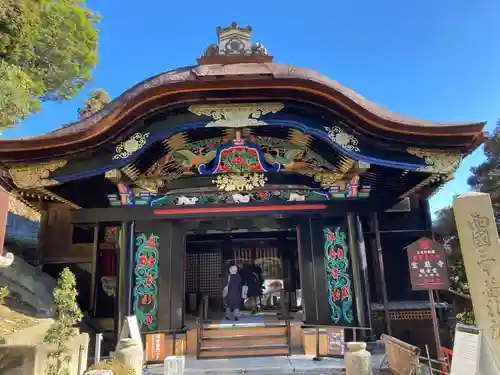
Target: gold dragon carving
{"points": [[437, 161], [37, 175]]}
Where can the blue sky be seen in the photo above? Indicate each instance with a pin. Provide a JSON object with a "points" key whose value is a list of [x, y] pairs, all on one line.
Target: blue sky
{"points": [[436, 60]]}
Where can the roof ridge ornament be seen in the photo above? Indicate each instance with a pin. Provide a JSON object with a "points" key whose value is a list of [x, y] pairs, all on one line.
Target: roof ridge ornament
{"points": [[234, 44], [236, 115]]}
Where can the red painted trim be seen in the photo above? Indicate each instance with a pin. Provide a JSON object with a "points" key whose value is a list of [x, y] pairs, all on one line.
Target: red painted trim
{"points": [[206, 210]]}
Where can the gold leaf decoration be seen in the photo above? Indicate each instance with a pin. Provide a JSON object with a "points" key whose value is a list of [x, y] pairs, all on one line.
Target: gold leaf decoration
{"points": [[236, 115], [130, 146], [298, 138], [437, 161], [240, 181], [345, 140], [327, 179], [36, 175]]}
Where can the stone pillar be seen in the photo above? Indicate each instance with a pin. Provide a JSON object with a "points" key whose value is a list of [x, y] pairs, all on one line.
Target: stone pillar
{"points": [[480, 246]]}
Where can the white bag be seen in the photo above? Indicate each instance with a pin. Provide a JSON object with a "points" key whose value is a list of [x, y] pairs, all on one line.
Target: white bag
{"points": [[225, 290], [244, 292]]}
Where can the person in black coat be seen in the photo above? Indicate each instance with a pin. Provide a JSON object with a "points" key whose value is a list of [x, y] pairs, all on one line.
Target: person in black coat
{"points": [[232, 293], [254, 281]]}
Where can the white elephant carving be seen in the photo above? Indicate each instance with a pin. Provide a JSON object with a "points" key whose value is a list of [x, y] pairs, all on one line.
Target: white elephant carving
{"points": [[240, 198], [183, 200], [296, 197]]}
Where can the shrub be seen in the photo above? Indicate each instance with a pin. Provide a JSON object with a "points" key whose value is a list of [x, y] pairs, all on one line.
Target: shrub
{"points": [[117, 367], [62, 331], [3, 293]]}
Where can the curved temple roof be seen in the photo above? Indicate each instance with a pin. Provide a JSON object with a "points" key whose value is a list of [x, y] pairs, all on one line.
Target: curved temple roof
{"points": [[236, 71]]}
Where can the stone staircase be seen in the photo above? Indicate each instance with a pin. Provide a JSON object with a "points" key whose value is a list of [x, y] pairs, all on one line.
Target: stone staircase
{"points": [[244, 340]]}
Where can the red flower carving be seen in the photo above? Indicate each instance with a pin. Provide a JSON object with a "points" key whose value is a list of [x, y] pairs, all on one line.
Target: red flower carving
{"points": [[238, 160], [252, 152], [331, 236], [336, 294], [335, 273], [149, 319], [226, 152], [151, 242], [340, 253], [146, 299], [147, 261], [149, 280], [345, 293], [336, 254]]}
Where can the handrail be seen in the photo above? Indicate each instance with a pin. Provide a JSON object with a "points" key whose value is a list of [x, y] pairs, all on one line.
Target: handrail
{"points": [[202, 316], [317, 327], [288, 336]]}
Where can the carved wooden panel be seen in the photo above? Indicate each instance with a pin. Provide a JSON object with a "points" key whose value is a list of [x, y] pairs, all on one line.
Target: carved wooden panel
{"points": [[57, 234]]}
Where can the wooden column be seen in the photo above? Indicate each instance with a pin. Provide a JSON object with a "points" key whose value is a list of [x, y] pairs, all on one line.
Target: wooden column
{"points": [[312, 271], [125, 274], [364, 274], [4, 209], [169, 298], [383, 284], [358, 262], [171, 276]]}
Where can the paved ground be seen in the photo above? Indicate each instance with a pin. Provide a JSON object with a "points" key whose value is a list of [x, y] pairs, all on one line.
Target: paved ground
{"points": [[294, 365]]}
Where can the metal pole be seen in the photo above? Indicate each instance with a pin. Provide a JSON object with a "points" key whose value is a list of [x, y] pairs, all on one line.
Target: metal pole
{"points": [[385, 299], [435, 326], [317, 358], [97, 349]]}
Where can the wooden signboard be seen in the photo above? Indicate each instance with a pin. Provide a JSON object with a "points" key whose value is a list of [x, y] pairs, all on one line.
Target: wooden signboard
{"points": [[466, 351], [428, 268], [155, 347], [336, 342]]}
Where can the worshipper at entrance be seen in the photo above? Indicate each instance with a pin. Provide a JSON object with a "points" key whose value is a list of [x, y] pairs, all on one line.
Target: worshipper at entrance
{"points": [[253, 280], [233, 293]]}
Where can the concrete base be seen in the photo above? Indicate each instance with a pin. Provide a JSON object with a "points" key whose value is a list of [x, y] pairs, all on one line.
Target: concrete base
{"points": [[296, 364]]}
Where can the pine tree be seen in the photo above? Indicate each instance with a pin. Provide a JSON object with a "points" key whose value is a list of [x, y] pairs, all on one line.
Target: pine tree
{"points": [[486, 177], [48, 49], [446, 233], [63, 330], [97, 99]]}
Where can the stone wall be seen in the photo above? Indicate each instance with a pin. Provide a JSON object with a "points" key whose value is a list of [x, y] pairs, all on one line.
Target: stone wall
{"points": [[29, 286], [29, 358]]}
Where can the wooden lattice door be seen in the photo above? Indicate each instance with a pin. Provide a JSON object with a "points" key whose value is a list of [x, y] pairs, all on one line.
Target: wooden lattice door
{"points": [[210, 278]]}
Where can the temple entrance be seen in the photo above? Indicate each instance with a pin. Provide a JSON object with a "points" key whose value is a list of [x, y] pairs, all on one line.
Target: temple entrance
{"points": [[270, 252]]}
